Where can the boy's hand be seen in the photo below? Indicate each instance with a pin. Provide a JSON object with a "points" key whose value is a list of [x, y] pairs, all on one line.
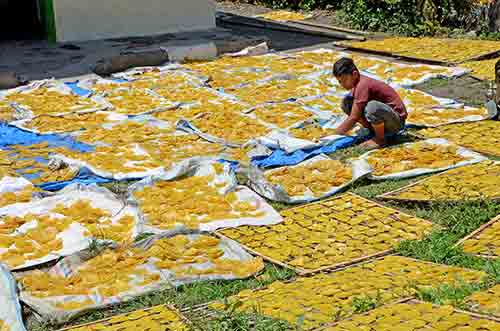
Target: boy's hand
{"points": [[371, 144]]}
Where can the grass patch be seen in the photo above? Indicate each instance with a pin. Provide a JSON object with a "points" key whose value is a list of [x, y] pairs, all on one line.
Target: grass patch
{"points": [[347, 153], [457, 221], [370, 190], [434, 82], [231, 319], [365, 303], [449, 295]]}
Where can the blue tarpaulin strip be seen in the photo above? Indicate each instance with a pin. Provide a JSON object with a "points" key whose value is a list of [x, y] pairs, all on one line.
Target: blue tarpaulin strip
{"points": [[85, 176], [78, 90], [84, 92], [11, 135], [280, 158]]}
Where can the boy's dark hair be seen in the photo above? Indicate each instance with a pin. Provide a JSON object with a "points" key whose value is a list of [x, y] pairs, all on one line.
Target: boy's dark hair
{"points": [[347, 103], [344, 66]]}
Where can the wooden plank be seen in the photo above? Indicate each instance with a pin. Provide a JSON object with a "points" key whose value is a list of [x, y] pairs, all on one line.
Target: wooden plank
{"points": [[479, 150], [287, 27], [333, 27], [299, 271], [485, 56], [342, 266]]}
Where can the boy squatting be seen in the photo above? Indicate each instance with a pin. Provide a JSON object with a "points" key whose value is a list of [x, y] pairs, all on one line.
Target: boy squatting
{"points": [[371, 103]]}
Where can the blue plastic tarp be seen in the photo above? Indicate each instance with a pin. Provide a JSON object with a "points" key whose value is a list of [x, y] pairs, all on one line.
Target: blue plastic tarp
{"points": [[280, 158], [78, 90], [84, 92], [85, 176], [12, 135]]}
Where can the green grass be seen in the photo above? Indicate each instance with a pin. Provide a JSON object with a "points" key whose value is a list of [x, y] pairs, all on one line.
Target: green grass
{"points": [[236, 321], [435, 82], [363, 304], [449, 295]]}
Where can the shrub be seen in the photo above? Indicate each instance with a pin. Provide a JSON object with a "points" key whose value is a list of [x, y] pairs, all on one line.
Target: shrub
{"points": [[410, 17]]}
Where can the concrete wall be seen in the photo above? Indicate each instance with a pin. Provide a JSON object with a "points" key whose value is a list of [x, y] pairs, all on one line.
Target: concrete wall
{"points": [[99, 19]]}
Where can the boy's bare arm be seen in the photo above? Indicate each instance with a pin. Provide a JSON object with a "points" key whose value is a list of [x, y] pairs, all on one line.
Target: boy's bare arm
{"points": [[365, 123], [349, 122]]}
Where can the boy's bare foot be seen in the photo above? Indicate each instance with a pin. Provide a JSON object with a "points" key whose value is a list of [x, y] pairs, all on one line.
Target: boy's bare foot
{"points": [[371, 144]]}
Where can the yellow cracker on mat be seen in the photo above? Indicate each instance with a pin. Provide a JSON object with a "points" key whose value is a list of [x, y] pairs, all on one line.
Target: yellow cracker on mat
{"points": [[419, 155], [317, 177], [483, 136], [415, 316], [126, 270], [276, 90], [230, 126], [322, 298], [446, 50], [477, 181], [485, 241], [282, 115], [283, 15], [161, 317], [169, 204], [486, 301], [135, 101], [43, 101], [438, 116], [329, 233], [484, 69], [66, 123]]}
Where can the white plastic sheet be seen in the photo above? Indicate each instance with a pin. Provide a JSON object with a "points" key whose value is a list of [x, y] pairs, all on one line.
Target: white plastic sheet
{"points": [[25, 123], [172, 69], [75, 237], [175, 170], [471, 158], [225, 183], [47, 308], [118, 175], [439, 116], [11, 318], [257, 181], [13, 184], [24, 112]]}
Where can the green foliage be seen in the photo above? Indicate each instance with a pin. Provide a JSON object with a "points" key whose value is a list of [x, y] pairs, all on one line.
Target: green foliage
{"points": [[408, 17], [396, 16]]}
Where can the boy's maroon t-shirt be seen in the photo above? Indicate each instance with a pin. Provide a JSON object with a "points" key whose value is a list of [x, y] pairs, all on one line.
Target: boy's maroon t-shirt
{"points": [[369, 89]]}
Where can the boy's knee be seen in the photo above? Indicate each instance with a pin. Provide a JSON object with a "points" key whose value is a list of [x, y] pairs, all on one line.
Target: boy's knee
{"points": [[372, 112]]}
